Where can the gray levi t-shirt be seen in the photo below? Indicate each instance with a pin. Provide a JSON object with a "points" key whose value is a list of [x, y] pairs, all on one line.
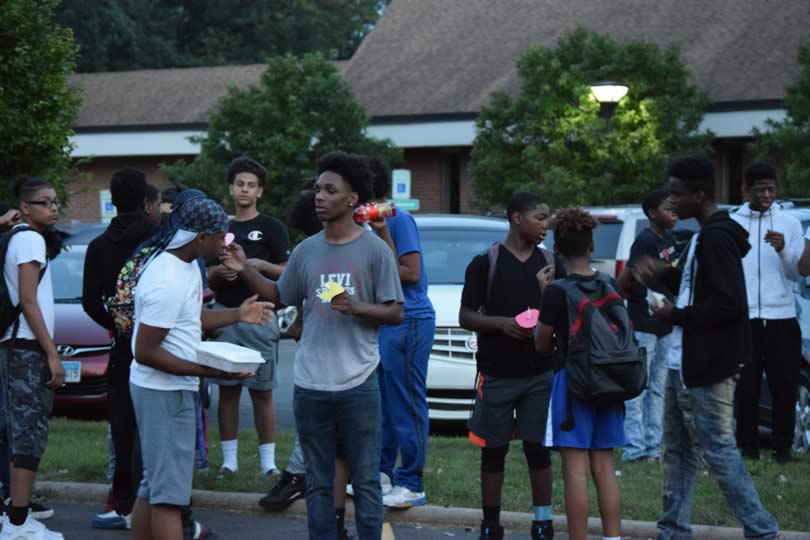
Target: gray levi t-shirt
{"points": [[338, 351]]}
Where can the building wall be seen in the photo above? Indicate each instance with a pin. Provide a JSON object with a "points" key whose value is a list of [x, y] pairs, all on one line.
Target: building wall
{"points": [[94, 176]]}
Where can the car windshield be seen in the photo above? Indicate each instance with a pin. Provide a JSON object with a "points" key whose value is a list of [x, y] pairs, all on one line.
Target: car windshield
{"points": [[605, 237], [66, 271], [447, 252]]}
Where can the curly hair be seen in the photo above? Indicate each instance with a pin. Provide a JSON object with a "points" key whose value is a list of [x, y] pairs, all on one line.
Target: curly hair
{"points": [[353, 169], [573, 231]]}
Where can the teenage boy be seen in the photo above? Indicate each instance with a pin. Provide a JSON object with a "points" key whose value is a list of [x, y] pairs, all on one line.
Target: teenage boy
{"points": [[713, 336], [643, 415], [30, 367], [514, 386], [105, 257], [597, 429], [404, 354], [337, 396], [164, 377], [770, 269], [266, 244]]}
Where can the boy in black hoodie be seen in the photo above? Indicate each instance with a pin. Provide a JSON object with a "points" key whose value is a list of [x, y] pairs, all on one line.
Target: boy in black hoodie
{"points": [[105, 257], [711, 340]]}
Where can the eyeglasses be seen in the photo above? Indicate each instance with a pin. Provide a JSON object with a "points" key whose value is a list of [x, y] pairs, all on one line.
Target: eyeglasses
{"points": [[47, 203]]}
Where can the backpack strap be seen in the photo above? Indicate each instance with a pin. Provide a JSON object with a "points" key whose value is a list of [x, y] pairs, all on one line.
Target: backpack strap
{"points": [[492, 255]]}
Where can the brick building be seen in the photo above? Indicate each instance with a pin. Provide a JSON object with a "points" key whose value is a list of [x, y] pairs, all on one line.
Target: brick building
{"points": [[426, 69]]}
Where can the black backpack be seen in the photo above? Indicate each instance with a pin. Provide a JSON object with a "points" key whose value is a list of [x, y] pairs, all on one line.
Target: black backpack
{"points": [[9, 313], [604, 364]]}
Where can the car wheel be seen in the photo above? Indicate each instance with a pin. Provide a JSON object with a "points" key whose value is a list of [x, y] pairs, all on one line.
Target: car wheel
{"points": [[801, 435]]}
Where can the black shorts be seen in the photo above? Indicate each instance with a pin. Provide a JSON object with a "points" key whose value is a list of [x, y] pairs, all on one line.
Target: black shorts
{"points": [[508, 408]]}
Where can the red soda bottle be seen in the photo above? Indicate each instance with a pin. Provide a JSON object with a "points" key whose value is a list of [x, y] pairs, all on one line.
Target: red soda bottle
{"points": [[374, 212]]}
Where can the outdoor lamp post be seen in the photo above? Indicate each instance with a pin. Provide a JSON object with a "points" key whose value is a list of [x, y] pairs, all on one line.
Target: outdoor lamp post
{"points": [[608, 94]]}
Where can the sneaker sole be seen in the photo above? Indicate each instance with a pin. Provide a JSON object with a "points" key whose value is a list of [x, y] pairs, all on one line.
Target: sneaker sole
{"points": [[42, 515], [110, 527], [422, 501], [278, 506]]}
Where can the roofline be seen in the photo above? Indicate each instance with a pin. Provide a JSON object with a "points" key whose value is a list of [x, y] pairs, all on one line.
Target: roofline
{"points": [[751, 105], [134, 128]]}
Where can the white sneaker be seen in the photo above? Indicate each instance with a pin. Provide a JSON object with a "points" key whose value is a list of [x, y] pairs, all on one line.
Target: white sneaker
{"points": [[385, 486], [401, 497], [30, 530]]}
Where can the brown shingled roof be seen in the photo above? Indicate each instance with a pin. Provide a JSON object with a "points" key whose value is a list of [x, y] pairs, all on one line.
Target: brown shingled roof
{"points": [[159, 97], [430, 57]]}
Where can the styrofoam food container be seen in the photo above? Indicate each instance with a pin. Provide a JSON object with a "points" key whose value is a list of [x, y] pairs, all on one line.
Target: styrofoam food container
{"points": [[228, 357]]}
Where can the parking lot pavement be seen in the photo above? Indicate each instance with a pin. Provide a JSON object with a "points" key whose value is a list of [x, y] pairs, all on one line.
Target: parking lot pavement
{"points": [[73, 520]]}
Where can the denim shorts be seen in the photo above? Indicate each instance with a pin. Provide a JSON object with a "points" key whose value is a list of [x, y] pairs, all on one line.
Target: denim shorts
{"points": [[259, 337], [167, 426]]}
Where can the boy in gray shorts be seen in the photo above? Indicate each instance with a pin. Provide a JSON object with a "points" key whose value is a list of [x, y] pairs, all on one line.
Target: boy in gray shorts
{"points": [[164, 377], [266, 244]]}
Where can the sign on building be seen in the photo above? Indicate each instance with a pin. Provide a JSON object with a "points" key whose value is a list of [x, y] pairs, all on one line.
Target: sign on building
{"points": [[108, 210]]}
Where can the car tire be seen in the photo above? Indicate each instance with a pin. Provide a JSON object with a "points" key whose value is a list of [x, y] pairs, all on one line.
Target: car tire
{"points": [[801, 436]]}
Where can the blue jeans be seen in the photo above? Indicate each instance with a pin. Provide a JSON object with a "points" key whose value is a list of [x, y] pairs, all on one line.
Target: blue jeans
{"points": [[711, 408], [404, 352], [354, 417], [642, 417]]}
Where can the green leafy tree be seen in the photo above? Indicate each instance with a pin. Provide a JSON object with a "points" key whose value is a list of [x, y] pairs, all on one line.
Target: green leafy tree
{"points": [[37, 107], [550, 137], [788, 141], [137, 34], [300, 110]]}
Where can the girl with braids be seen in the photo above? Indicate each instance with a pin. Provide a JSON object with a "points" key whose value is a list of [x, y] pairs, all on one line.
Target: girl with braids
{"points": [[30, 368], [596, 430]]}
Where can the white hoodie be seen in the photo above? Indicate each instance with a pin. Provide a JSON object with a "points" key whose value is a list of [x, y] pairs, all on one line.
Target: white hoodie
{"points": [[768, 273]]}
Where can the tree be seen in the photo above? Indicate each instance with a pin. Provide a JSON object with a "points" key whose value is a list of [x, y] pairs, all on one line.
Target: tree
{"points": [[787, 141], [133, 34], [300, 110], [551, 138], [37, 107]]}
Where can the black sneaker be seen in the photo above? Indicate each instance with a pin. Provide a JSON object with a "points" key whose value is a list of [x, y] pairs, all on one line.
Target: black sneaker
{"points": [[542, 530], [782, 456], [35, 510], [197, 531], [289, 489], [344, 535], [750, 452], [490, 531]]}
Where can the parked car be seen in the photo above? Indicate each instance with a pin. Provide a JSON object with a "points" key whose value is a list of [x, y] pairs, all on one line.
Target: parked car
{"points": [[78, 339]]}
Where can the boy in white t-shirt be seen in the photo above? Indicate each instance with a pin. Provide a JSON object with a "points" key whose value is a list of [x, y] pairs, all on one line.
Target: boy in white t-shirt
{"points": [[164, 377], [30, 368]]}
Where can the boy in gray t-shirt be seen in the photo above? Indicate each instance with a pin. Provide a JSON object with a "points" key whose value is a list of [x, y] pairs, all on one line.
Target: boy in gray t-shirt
{"points": [[337, 397], [337, 352]]}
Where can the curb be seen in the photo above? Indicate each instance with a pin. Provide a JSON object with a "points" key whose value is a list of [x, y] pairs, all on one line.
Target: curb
{"points": [[427, 515]]}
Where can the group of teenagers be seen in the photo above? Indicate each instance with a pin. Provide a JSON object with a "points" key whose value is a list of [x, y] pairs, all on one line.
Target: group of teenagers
{"points": [[361, 362]]}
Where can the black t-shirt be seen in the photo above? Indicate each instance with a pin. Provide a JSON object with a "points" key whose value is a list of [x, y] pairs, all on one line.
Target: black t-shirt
{"points": [[262, 237], [554, 310], [514, 289], [648, 244]]}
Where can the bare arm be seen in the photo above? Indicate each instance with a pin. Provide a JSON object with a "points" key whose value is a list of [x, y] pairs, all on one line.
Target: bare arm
{"points": [[390, 313], [268, 269], [29, 283], [148, 352], [544, 338], [234, 259], [219, 276], [409, 263], [250, 311], [485, 324]]}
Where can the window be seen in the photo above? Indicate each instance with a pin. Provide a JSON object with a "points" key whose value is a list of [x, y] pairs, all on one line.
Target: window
{"points": [[447, 252], [67, 270], [605, 236]]}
